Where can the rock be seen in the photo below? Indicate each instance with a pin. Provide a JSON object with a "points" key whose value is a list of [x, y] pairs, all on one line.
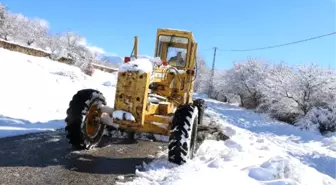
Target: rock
{"points": [[212, 132]]}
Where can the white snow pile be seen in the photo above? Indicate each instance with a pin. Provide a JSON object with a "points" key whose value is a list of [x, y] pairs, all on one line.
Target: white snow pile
{"points": [[259, 151], [321, 119], [154, 60], [147, 64], [142, 65], [35, 92]]}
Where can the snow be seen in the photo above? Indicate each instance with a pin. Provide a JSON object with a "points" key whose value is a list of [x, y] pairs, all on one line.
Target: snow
{"points": [[157, 96], [156, 60], [153, 100], [259, 151], [142, 65], [123, 115], [35, 92], [107, 120], [174, 70]]}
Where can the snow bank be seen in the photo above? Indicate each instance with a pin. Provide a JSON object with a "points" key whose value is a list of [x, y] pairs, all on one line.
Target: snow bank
{"points": [[319, 119], [35, 92], [259, 151]]}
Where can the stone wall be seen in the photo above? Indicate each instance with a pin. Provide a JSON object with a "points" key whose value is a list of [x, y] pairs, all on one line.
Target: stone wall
{"points": [[40, 53], [22, 49]]}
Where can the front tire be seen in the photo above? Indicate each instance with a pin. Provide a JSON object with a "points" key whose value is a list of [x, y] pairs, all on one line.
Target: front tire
{"points": [[182, 139], [83, 127]]}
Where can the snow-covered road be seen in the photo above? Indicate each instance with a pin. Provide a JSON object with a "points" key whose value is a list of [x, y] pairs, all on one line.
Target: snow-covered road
{"points": [[35, 93]]}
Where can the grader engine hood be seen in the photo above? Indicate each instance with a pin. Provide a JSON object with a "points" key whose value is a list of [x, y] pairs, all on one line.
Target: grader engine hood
{"points": [[135, 99], [132, 91]]}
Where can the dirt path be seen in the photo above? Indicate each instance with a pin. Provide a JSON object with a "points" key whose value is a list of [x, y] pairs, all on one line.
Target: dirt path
{"points": [[46, 158]]}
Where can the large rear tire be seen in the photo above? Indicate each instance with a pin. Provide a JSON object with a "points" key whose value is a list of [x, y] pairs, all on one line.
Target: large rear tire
{"points": [[182, 139], [83, 127]]}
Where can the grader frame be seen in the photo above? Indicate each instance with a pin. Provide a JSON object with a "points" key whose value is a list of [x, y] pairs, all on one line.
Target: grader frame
{"points": [[173, 113]]}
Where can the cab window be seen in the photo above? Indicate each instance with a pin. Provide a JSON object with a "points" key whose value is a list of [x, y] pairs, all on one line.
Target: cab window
{"points": [[176, 56], [173, 49]]}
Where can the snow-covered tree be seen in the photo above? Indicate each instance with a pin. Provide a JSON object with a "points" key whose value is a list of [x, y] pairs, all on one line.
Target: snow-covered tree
{"points": [[35, 31], [9, 25], [31, 30], [245, 79], [304, 87], [54, 45], [88, 68], [315, 86], [220, 91], [2, 14], [73, 46], [202, 77], [2, 18]]}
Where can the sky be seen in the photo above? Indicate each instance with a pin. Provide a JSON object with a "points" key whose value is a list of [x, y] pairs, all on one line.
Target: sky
{"points": [[226, 24]]}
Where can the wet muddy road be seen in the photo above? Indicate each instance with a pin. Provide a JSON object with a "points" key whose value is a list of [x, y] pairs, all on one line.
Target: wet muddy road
{"points": [[47, 158]]}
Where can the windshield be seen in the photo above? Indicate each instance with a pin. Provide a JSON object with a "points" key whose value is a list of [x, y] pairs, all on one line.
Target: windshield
{"points": [[173, 49], [176, 56]]}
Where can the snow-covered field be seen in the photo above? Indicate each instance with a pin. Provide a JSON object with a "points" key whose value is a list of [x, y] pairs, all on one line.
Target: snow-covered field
{"points": [[35, 93]]}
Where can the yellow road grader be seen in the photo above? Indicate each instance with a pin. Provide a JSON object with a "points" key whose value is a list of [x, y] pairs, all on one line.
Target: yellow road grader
{"points": [[158, 101]]}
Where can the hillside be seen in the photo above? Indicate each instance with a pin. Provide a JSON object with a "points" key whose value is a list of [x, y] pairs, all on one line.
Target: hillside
{"points": [[36, 91]]}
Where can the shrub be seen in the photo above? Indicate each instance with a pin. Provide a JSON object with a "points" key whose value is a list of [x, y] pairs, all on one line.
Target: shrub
{"points": [[322, 119]]}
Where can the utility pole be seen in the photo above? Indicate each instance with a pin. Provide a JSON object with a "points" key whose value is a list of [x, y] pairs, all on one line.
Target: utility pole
{"points": [[211, 85]]}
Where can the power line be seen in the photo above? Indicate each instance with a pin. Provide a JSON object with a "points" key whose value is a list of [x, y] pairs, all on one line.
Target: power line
{"points": [[279, 45]]}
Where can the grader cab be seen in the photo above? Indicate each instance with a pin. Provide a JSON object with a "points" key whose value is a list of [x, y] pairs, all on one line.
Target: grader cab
{"points": [[153, 99]]}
